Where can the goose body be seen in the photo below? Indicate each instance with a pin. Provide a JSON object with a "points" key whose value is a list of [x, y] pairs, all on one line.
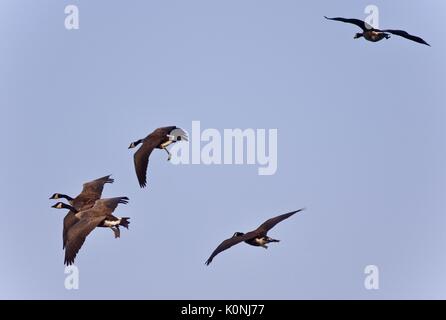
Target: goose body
{"points": [[374, 36]]}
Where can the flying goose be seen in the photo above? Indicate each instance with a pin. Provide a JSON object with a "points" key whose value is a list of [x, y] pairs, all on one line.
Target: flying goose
{"points": [[91, 192], [374, 35], [257, 238], [100, 215], [158, 139]]}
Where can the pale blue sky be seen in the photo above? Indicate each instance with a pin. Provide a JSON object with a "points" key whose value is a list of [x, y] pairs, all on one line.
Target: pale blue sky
{"points": [[361, 144]]}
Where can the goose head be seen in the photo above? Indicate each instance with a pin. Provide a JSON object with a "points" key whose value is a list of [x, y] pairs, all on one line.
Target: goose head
{"points": [[135, 143], [61, 205], [55, 196]]}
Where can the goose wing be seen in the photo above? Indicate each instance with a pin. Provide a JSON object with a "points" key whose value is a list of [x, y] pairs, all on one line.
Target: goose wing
{"points": [[361, 24], [406, 35], [263, 229], [91, 192], [161, 133], [226, 244], [95, 187], [105, 207], [76, 236], [69, 221]]}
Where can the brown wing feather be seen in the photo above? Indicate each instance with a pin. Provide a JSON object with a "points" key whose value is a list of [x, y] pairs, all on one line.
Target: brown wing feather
{"points": [[226, 244], [406, 35], [263, 229], [161, 133], [141, 160], [69, 221], [91, 192], [76, 236], [105, 207], [95, 187], [141, 157]]}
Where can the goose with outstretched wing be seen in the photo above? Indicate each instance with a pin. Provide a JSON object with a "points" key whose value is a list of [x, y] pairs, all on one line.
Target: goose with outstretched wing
{"points": [[158, 139], [374, 35], [100, 215], [257, 238]]}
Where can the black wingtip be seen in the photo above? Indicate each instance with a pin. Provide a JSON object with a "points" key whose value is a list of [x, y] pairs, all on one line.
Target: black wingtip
{"points": [[299, 210], [124, 200], [68, 262], [109, 180]]}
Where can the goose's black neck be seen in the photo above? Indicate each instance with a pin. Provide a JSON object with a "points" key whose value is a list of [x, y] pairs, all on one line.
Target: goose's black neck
{"points": [[66, 197], [71, 208]]}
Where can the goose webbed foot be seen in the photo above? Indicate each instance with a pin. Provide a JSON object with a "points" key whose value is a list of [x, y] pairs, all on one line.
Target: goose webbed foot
{"points": [[116, 231], [169, 154]]}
